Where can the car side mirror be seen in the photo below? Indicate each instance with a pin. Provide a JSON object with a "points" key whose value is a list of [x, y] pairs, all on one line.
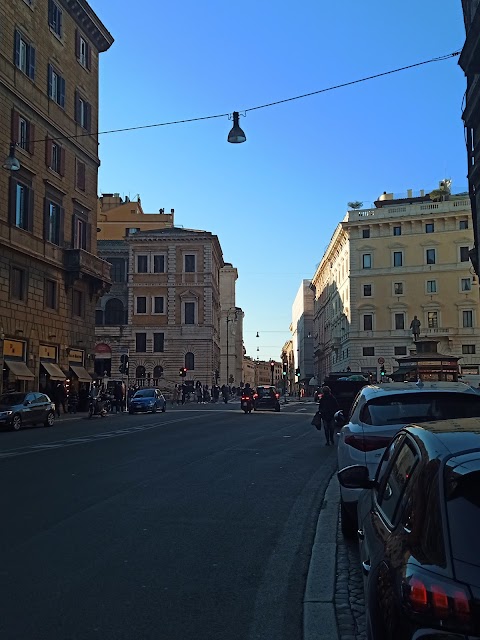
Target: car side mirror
{"points": [[339, 419], [27, 402], [355, 477]]}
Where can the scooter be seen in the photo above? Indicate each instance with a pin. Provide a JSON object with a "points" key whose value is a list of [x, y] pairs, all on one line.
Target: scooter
{"points": [[246, 403], [96, 407]]}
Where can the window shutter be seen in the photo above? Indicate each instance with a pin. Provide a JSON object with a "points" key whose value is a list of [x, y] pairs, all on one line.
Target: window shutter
{"points": [[48, 152], [61, 230], [88, 116], [50, 12], [31, 62], [77, 44], [16, 50], [31, 138], [88, 237], [60, 20], [76, 107], [11, 202], [30, 210], [50, 82], [15, 123], [46, 221], [62, 161], [82, 178], [89, 57], [61, 97]]}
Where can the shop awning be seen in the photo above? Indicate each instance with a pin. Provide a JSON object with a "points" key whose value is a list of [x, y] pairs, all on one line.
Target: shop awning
{"points": [[53, 371], [402, 371], [19, 369], [81, 373]]}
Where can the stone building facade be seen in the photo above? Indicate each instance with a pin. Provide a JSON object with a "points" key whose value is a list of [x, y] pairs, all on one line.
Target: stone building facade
{"points": [[50, 275], [164, 312], [384, 267]]}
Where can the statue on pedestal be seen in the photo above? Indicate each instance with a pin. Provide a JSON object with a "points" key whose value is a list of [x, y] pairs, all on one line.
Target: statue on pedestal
{"points": [[415, 327]]}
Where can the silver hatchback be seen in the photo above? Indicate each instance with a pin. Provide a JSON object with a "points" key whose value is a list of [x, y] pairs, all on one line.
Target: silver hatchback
{"points": [[379, 412]]}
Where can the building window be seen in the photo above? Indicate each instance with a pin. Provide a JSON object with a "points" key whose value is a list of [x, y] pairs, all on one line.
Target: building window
{"points": [[55, 157], [398, 288], [24, 56], [365, 233], [400, 351], [397, 231], [50, 294], [23, 132], [158, 342], [141, 304], [159, 264], [141, 342], [83, 112], [80, 175], [77, 303], [158, 304], [117, 270], [21, 205], [142, 264], [83, 51], [140, 372], [430, 256], [56, 87], [81, 233], [190, 264], [189, 361], [468, 349], [399, 321], [429, 227], [189, 313], [114, 312], [464, 257], [431, 286], [53, 222], [368, 351], [368, 322], [367, 290], [466, 284], [367, 260], [55, 18], [18, 284], [463, 224], [397, 258], [131, 230], [98, 317], [432, 319], [467, 318]]}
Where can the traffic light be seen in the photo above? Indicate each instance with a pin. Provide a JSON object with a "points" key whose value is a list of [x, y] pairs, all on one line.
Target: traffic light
{"points": [[284, 372], [382, 371], [124, 366], [297, 371], [183, 372], [272, 365]]}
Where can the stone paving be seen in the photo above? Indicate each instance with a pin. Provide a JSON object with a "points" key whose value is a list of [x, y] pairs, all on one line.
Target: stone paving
{"points": [[349, 601]]}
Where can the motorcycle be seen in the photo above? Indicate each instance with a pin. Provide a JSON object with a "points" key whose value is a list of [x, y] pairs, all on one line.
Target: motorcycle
{"points": [[246, 403], [97, 407]]}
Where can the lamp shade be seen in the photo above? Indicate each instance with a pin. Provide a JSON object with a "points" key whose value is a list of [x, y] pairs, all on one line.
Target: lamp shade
{"points": [[236, 134], [11, 162]]}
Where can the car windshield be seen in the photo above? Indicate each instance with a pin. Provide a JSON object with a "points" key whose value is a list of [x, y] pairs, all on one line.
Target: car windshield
{"points": [[463, 506], [145, 393], [12, 398], [265, 392], [419, 407]]}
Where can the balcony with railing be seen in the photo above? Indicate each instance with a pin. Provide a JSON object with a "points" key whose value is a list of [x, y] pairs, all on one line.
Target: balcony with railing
{"points": [[82, 265]]}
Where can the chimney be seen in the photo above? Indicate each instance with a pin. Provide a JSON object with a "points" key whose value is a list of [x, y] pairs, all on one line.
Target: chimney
{"points": [[172, 211], [422, 192], [409, 193]]}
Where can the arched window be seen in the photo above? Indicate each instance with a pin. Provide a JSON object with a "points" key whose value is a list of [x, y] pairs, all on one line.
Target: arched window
{"points": [[114, 312], [158, 372], [189, 361], [140, 372]]}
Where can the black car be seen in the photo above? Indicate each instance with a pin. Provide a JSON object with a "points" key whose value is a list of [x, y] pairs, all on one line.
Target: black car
{"points": [[266, 397], [18, 409], [418, 529]]}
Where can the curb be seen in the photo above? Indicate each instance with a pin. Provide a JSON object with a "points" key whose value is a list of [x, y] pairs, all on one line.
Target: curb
{"points": [[319, 618]]}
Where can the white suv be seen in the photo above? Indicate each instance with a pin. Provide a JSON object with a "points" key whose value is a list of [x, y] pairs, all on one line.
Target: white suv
{"points": [[379, 411]]}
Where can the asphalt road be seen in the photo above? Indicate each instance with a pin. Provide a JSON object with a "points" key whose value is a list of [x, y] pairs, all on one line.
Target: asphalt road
{"points": [[194, 524]]}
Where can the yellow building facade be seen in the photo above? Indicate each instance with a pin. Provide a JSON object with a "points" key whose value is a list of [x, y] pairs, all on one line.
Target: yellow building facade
{"points": [[387, 267]]}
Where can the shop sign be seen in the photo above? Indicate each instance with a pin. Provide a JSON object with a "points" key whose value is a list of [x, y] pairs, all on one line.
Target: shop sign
{"points": [[14, 349], [75, 356], [48, 352]]}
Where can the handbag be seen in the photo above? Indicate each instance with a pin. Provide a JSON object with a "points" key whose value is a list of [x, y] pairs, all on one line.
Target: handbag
{"points": [[317, 420]]}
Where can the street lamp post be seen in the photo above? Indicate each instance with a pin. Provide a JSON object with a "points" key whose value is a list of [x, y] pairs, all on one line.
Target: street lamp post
{"points": [[228, 320]]}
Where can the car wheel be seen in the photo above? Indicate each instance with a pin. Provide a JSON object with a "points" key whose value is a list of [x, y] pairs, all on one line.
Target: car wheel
{"points": [[16, 423], [277, 408], [348, 524], [164, 408], [50, 419], [154, 408]]}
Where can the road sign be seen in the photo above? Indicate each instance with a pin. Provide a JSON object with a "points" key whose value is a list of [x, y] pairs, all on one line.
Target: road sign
{"points": [[381, 361]]}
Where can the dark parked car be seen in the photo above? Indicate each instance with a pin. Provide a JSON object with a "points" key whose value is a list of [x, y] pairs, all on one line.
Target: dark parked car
{"points": [[147, 400], [266, 397], [19, 408], [418, 528]]}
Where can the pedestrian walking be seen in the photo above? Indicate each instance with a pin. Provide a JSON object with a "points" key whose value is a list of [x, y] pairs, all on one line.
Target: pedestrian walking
{"points": [[60, 398], [72, 402], [327, 408], [176, 395], [184, 392], [206, 394], [199, 392], [118, 397]]}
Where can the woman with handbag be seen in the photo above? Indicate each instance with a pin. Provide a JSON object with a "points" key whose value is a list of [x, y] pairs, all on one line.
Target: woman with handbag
{"points": [[327, 407]]}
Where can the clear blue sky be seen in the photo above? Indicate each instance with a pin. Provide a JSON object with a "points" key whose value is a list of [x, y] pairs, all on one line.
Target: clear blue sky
{"points": [[275, 200]]}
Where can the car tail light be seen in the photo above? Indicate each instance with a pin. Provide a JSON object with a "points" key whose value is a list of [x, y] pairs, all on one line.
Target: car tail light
{"points": [[277, 395], [438, 600], [245, 397], [367, 443]]}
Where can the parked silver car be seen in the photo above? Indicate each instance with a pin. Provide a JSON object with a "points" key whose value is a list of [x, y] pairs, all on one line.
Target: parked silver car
{"points": [[19, 408]]}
